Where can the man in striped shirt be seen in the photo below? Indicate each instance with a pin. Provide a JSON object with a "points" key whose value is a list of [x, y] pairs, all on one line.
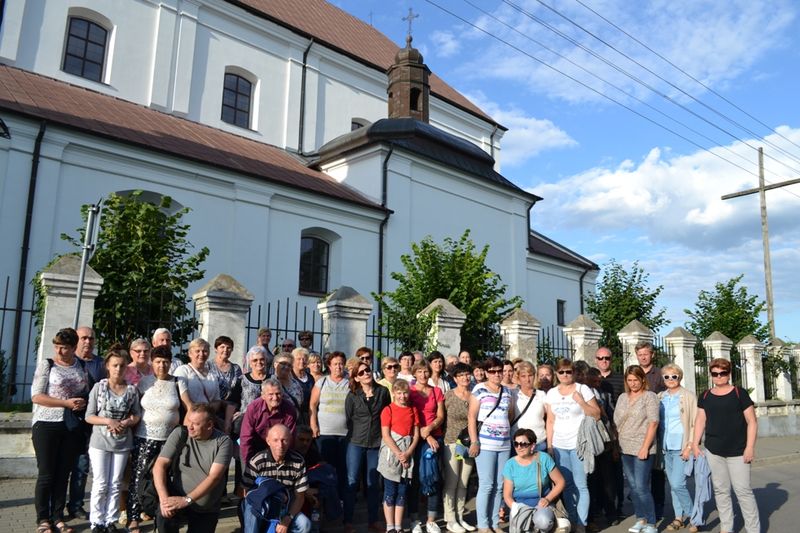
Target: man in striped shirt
{"points": [[281, 463]]}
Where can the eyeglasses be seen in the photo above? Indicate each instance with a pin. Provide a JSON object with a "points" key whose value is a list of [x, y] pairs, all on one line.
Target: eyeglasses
{"points": [[391, 367], [606, 358], [721, 374], [518, 444], [567, 372], [365, 357], [494, 371], [287, 345], [673, 378], [305, 338], [284, 365], [363, 371], [261, 361]]}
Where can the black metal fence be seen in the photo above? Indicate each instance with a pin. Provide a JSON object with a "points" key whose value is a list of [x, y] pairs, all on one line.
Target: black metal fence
{"points": [[15, 387], [286, 319], [552, 345], [770, 373]]}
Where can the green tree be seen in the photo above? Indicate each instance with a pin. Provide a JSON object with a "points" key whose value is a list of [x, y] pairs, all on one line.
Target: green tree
{"points": [[621, 296], [729, 309], [144, 257], [454, 270]]}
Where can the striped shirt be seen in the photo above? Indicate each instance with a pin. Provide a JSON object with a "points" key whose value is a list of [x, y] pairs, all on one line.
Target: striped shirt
{"points": [[291, 472]]}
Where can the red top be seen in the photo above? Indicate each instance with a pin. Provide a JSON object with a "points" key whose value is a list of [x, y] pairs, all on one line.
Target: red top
{"points": [[401, 420], [427, 406]]}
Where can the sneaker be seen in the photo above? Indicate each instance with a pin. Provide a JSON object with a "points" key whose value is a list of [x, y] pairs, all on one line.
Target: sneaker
{"points": [[97, 528], [455, 527], [467, 526], [650, 528], [637, 527], [417, 528], [432, 527], [79, 513]]}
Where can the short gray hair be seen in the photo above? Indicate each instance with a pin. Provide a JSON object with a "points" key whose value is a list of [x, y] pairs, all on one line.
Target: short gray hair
{"points": [[256, 350], [137, 342], [159, 331], [272, 382]]}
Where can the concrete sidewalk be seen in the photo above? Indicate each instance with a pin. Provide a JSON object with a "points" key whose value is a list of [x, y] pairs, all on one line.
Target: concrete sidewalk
{"points": [[17, 513]]}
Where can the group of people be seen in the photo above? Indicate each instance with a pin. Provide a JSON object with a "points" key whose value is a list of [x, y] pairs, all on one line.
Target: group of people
{"points": [[416, 430]]}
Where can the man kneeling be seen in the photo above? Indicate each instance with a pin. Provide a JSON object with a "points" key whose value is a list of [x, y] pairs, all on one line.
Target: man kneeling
{"points": [[199, 463], [284, 465]]}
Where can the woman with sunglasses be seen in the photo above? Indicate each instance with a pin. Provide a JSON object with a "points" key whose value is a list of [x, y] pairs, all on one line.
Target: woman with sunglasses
{"points": [[520, 483], [390, 368], [492, 406], [636, 418], [678, 409], [567, 405], [726, 415], [363, 407]]}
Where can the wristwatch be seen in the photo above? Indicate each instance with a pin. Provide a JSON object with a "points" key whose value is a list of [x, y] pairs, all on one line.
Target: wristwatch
{"points": [[291, 517], [189, 500]]}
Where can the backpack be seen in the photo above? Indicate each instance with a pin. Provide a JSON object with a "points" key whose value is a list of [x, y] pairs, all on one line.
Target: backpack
{"points": [[146, 491]]}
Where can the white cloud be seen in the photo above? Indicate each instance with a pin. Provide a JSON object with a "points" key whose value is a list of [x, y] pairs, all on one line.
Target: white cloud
{"points": [[445, 44], [527, 136], [714, 41]]}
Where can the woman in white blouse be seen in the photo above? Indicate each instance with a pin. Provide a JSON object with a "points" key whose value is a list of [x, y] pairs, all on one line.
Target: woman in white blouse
{"points": [[529, 407], [196, 383]]}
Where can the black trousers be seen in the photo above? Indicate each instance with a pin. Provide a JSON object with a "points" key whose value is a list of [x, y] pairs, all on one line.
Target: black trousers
{"points": [[56, 450], [197, 522], [602, 487]]}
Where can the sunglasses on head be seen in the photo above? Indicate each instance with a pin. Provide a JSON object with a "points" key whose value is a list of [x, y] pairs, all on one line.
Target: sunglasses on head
{"points": [[603, 358], [673, 377], [568, 372], [363, 371], [521, 444], [494, 371], [720, 374], [392, 367]]}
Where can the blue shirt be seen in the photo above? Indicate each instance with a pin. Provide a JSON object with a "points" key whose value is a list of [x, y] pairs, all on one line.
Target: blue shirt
{"points": [[671, 425], [524, 477]]}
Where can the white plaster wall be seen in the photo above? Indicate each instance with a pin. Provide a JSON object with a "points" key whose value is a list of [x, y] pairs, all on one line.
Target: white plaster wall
{"points": [[550, 280], [172, 55]]}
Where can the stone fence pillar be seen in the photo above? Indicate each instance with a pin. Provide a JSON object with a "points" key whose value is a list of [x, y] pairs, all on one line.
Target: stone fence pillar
{"points": [[718, 345], [750, 358], [344, 321], [60, 282], [222, 305], [680, 344], [520, 332], [445, 332], [584, 334], [783, 384], [632, 334]]}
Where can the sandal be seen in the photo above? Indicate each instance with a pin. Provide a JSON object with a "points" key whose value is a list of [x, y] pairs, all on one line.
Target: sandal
{"points": [[693, 528], [676, 525], [45, 526], [62, 527]]}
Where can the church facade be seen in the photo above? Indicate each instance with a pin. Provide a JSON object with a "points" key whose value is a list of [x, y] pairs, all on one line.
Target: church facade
{"points": [[311, 149]]}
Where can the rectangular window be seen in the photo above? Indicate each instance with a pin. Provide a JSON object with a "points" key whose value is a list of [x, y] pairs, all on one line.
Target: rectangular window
{"points": [[313, 266], [561, 312], [85, 52], [236, 94]]}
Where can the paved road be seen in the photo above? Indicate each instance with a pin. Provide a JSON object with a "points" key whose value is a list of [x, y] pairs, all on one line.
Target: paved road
{"points": [[776, 486]]}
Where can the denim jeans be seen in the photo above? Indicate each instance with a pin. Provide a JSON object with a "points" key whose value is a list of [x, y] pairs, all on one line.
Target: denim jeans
{"points": [[355, 456], [638, 474], [196, 522], [490, 487], [681, 500], [576, 492], [394, 492], [253, 523], [77, 483], [333, 449]]}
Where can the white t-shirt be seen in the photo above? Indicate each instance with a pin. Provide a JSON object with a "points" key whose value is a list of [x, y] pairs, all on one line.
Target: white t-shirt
{"points": [[202, 389], [534, 417], [407, 377], [568, 416]]}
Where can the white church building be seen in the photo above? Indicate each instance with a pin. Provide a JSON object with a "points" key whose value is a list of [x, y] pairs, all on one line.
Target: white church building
{"points": [[310, 148]]}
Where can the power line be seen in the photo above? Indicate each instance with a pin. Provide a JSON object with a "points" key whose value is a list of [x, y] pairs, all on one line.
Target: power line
{"points": [[665, 80], [599, 93], [690, 76]]}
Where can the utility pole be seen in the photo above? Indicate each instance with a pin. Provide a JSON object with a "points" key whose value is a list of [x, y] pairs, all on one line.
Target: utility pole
{"points": [[761, 190]]}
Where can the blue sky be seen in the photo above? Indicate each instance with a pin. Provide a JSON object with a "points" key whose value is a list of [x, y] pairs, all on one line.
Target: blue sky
{"points": [[615, 185]]}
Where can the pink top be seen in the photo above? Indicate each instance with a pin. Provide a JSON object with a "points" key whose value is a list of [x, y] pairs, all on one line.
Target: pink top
{"points": [[133, 375], [427, 406]]}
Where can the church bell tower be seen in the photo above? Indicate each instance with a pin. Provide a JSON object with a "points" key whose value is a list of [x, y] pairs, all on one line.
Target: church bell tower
{"points": [[409, 90]]}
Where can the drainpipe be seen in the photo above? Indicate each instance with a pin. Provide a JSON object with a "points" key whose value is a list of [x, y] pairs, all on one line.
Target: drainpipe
{"points": [[301, 129], [381, 233], [491, 141], [580, 286], [23, 259]]}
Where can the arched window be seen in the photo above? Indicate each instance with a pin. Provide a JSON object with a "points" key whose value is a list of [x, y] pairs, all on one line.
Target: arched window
{"points": [[237, 96], [85, 51], [314, 257]]}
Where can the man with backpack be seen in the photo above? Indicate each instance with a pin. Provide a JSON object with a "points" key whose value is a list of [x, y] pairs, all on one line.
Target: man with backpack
{"points": [[195, 458], [278, 463]]}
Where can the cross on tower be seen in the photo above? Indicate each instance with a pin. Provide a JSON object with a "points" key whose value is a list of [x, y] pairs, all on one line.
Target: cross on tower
{"points": [[410, 18]]}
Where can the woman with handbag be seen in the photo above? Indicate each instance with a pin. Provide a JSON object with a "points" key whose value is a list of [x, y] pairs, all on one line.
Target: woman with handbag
{"points": [[491, 410], [458, 464], [58, 393], [531, 477], [567, 405]]}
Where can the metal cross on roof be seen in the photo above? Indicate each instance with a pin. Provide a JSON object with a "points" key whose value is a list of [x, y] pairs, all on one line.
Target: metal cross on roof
{"points": [[410, 18]]}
